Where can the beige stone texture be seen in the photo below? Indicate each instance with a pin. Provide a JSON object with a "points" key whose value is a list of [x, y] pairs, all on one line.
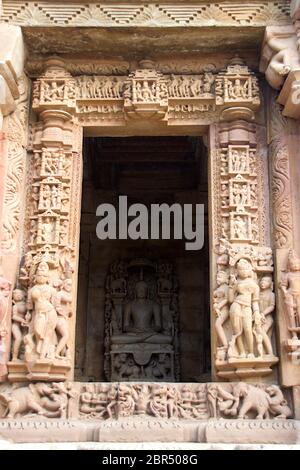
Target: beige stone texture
{"points": [[168, 70]]}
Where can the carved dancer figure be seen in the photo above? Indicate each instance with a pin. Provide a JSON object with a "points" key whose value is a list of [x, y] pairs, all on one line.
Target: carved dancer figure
{"points": [[41, 304], [239, 228], [127, 397], [290, 286], [244, 299], [63, 302]]}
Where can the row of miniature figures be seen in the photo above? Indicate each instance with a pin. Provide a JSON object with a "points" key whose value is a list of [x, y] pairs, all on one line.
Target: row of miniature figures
{"points": [[162, 401]]}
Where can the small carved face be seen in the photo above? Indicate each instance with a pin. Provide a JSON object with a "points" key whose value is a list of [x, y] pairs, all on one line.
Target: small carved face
{"points": [[222, 278], [244, 269], [68, 285], [41, 279], [294, 265], [122, 357], [265, 282], [18, 295]]}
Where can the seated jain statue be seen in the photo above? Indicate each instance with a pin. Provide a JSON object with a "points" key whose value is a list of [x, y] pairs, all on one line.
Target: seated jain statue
{"points": [[140, 321]]}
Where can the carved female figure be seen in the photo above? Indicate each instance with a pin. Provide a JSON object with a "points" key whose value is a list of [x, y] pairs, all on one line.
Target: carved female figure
{"points": [[63, 308], [41, 302], [290, 286], [5, 287], [244, 299], [220, 306]]}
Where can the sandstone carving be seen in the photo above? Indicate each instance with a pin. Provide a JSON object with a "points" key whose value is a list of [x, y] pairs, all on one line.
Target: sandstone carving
{"points": [[49, 400], [140, 324], [279, 54], [159, 401], [5, 289], [290, 288], [107, 15], [244, 304]]}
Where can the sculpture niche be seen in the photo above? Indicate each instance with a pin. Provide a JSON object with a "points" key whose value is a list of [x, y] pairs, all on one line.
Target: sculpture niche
{"points": [[244, 304], [141, 322]]}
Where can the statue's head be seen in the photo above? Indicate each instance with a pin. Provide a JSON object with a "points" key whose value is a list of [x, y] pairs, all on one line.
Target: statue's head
{"points": [[141, 290], [18, 295], [42, 273], [293, 261], [222, 278], [244, 268], [67, 285], [265, 282]]}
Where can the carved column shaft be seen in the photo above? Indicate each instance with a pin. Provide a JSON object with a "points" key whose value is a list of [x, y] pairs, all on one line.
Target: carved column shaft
{"points": [[48, 274], [242, 298]]}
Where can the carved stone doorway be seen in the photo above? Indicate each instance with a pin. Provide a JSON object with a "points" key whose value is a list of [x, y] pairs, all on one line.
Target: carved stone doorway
{"points": [[164, 169]]}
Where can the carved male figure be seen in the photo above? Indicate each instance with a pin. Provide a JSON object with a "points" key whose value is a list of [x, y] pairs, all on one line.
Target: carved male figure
{"points": [[266, 306], [142, 319], [5, 287], [19, 311]]}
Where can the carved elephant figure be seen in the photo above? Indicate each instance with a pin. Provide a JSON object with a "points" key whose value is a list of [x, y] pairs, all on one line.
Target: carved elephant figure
{"points": [[253, 399], [20, 401], [118, 286]]}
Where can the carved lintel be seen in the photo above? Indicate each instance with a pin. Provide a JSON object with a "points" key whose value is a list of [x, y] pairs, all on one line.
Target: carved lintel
{"points": [[147, 93]]}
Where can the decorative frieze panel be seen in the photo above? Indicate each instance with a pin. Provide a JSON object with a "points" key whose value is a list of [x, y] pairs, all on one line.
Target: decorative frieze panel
{"points": [[107, 14], [111, 401], [147, 93], [237, 188]]}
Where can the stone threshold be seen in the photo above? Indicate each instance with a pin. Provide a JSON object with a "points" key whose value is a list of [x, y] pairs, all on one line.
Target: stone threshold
{"points": [[144, 430]]}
